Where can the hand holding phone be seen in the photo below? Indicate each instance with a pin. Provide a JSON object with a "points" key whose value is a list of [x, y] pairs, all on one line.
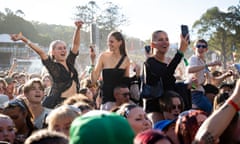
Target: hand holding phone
{"points": [[185, 32]]}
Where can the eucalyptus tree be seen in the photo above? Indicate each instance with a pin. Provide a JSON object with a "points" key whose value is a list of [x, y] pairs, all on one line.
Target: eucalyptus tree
{"points": [[221, 29]]}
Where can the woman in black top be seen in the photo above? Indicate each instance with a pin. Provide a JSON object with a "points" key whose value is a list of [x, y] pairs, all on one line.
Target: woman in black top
{"points": [[114, 65], [160, 66], [60, 65]]}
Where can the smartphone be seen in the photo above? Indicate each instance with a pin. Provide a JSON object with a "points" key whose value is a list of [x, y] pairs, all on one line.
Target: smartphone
{"points": [[185, 31]]}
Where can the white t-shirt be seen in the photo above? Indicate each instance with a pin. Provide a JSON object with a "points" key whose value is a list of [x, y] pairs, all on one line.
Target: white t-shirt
{"points": [[200, 75]]}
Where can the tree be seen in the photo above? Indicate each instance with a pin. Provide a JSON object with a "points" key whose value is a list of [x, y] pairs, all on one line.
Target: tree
{"points": [[109, 18], [220, 29], [87, 13]]}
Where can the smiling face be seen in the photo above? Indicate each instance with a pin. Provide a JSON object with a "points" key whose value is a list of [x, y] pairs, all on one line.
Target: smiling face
{"points": [[113, 44], [7, 130], [138, 120], [200, 48], [160, 41]]}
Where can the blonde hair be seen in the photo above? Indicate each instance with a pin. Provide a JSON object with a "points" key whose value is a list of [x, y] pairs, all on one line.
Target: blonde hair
{"points": [[61, 112], [53, 45]]}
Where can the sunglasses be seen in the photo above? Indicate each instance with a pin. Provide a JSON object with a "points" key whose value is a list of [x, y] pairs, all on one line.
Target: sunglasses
{"points": [[176, 107], [201, 46], [126, 94]]}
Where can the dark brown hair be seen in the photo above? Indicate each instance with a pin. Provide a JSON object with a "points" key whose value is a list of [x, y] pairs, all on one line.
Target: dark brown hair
{"points": [[119, 37]]}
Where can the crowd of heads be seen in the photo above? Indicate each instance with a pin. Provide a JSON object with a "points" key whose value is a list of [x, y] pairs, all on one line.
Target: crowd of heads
{"points": [[80, 120]]}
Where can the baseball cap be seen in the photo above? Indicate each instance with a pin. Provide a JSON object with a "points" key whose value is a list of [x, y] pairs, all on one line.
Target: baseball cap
{"points": [[101, 127], [163, 124]]}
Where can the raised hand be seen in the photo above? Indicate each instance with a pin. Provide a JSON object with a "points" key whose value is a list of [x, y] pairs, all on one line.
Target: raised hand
{"points": [[16, 37], [79, 23], [92, 53], [184, 43]]}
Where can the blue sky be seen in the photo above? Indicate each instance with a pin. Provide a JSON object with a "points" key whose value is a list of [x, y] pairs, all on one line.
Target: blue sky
{"points": [[145, 16]]}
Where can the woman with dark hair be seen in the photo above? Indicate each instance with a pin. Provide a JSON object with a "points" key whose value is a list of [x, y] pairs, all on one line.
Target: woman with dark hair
{"points": [[20, 113], [152, 137], [171, 104], [187, 125], [114, 65]]}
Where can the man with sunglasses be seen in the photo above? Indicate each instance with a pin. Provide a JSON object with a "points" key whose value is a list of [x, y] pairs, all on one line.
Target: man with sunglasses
{"points": [[122, 95], [198, 69]]}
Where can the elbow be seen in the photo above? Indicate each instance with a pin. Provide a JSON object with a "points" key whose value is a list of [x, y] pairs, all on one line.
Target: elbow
{"points": [[189, 70]]}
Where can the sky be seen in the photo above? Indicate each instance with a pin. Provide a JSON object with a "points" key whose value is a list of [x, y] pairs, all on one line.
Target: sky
{"points": [[145, 16]]}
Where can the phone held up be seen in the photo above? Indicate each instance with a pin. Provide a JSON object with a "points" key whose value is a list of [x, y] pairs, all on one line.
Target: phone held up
{"points": [[185, 32]]}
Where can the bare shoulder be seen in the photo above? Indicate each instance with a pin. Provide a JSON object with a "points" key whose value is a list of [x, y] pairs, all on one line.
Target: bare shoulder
{"points": [[127, 60], [103, 55]]}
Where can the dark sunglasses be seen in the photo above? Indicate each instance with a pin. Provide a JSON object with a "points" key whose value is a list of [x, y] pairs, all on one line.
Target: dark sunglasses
{"points": [[201, 46], [126, 94], [176, 107]]}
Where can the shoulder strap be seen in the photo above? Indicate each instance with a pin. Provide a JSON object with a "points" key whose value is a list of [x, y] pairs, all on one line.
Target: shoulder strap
{"points": [[120, 62]]}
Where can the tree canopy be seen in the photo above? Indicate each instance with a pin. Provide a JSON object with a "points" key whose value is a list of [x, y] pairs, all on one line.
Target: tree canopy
{"points": [[221, 29]]}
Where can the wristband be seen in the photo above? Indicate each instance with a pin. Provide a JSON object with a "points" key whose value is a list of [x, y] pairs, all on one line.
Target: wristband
{"points": [[181, 53], [184, 59], [234, 105]]}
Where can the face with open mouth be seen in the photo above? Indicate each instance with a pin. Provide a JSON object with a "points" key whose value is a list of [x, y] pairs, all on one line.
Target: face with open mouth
{"points": [[36, 93], [59, 52], [7, 129], [161, 42]]}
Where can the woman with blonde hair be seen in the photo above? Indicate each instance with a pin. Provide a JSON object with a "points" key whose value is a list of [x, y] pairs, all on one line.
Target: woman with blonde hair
{"points": [[60, 65], [61, 118]]}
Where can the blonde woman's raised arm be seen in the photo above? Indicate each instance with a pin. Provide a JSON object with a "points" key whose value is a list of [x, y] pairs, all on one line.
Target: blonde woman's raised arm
{"points": [[76, 37], [37, 49]]}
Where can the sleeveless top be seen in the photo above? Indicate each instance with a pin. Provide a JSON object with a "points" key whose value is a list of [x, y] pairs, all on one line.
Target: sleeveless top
{"points": [[112, 77]]}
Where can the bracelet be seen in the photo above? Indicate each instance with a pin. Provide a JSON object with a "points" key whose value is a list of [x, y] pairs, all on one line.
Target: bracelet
{"points": [[234, 105]]}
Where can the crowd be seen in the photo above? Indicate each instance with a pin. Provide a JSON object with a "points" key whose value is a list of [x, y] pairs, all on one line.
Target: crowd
{"points": [[109, 107]]}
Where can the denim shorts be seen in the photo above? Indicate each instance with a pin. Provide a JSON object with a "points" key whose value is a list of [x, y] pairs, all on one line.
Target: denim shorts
{"points": [[201, 101]]}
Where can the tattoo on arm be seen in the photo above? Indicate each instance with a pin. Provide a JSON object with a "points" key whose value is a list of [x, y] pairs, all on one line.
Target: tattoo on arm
{"points": [[226, 106], [208, 138]]}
